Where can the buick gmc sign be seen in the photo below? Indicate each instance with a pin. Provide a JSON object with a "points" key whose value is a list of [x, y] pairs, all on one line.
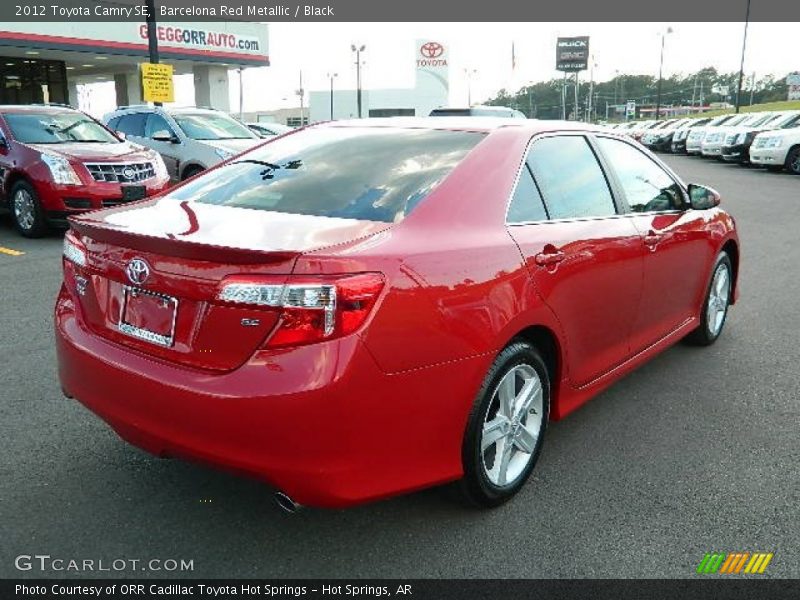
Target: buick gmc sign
{"points": [[572, 54]]}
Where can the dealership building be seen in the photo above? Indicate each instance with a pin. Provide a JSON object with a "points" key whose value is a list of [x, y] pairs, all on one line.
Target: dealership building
{"points": [[45, 62], [431, 90]]}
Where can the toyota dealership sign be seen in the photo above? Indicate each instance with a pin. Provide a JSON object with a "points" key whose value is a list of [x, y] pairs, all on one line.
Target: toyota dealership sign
{"points": [[431, 54], [572, 54]]}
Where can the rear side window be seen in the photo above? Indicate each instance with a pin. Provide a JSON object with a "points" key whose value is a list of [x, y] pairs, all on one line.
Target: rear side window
{"points": [[570, 178], [375, 174], [132, 124], [112, 124], [526, 204]]}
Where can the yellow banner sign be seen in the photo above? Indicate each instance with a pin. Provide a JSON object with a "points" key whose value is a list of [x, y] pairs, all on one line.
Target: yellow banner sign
{"points": [[157, 83]]}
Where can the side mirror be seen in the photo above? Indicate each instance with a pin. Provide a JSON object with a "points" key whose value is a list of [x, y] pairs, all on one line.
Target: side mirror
{"points": [[702, 197], [164, 136], [3, 143], [121, 135]]}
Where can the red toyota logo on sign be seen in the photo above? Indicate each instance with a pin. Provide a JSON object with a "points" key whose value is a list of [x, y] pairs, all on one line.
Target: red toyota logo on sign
{"points": [[431, 50]]}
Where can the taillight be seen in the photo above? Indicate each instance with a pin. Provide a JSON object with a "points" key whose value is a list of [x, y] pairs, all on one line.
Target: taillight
{"points": [[74, 251], [311, 310]]}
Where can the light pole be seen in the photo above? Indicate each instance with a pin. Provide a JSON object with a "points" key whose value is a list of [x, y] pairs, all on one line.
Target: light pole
{"points": [[591, 90], [301, 92], [469, 73], [741, 66], [660, 71], [241, 96], [358, 50], [332, 76]]}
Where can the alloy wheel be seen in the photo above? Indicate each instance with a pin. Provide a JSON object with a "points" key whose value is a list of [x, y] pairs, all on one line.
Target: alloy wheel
{"points": [[718, 299], [512, 425], [794, 163], [24, 209]]}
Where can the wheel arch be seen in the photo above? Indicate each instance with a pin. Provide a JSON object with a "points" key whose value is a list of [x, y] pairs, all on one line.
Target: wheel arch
{"points": [[189, 166], [11, 180], [731, 248], [791, 149], [545, 340]]}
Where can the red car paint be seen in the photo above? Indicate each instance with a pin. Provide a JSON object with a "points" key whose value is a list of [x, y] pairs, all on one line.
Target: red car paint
{"points": [[381, 410], [20, 160]]}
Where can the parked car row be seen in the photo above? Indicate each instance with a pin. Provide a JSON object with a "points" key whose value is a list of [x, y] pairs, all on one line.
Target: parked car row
{"points": [[56, 161], [767, 139]]}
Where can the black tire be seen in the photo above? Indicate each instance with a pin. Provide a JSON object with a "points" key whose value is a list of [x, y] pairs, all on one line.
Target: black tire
{"points": [[475, 488], [793, 161], [704, 335], [191, 172], [26, 210]]}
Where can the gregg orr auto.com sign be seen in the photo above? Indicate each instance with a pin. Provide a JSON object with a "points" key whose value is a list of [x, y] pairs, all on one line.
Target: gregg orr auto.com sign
{"points": [[201, 38], [572, 53]]}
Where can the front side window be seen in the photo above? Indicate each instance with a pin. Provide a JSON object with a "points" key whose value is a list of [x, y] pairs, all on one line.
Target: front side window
{"points": [[208, 126], [132, 124], [375, 174], [647, 187], [57, 128], [157, 124], [570, 178]]}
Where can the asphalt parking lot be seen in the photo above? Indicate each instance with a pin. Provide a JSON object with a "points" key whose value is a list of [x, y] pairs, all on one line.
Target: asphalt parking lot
{"points": [[698, 451]]}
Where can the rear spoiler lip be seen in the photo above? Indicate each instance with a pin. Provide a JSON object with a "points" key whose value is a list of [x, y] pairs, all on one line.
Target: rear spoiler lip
{"points": [[171, 246]]}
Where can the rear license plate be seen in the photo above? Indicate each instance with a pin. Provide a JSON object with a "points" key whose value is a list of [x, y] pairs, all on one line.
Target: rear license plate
{"points": [[148, 316], [133, 192]]}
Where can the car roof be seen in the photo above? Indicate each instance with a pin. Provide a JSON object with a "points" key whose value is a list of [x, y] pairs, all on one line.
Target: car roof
{"points": [[484, 124], [166, 109], [37, 108]]}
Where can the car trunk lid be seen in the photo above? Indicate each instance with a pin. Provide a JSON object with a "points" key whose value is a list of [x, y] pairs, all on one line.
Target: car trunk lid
{"points": [[153, 274]]}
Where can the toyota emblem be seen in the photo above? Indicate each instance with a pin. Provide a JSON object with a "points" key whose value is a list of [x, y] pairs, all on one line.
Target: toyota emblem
{"points": [[128, 173], [138, 271], [431, 50]]}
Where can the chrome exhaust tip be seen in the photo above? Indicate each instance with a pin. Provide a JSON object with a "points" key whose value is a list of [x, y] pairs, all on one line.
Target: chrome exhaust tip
{"points": [[286, 504]]}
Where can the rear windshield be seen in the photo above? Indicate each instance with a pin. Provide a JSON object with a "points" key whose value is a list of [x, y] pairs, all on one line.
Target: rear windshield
{"points": [[374, 174]]}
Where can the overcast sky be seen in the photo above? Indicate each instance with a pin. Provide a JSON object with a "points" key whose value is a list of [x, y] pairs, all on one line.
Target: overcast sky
{"points": [[633, 48]]}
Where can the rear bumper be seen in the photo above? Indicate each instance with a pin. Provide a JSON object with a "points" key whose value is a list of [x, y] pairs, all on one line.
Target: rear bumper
{"points": [[321, 422]]}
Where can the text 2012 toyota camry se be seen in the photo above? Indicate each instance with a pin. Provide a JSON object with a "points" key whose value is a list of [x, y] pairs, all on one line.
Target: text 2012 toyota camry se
{"points": [[360, 309]]}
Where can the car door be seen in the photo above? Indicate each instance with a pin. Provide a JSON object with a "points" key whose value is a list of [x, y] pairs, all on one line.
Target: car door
{"points": [[156, 126], [678, 249], [584, 257]]}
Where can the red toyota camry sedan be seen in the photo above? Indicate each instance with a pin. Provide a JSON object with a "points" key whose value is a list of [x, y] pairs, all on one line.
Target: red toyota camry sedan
{"points": [[360, 309]]}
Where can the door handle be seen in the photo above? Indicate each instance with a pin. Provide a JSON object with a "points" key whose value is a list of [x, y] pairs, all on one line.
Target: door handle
{"points": [[652, 239], [544, 259]]}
